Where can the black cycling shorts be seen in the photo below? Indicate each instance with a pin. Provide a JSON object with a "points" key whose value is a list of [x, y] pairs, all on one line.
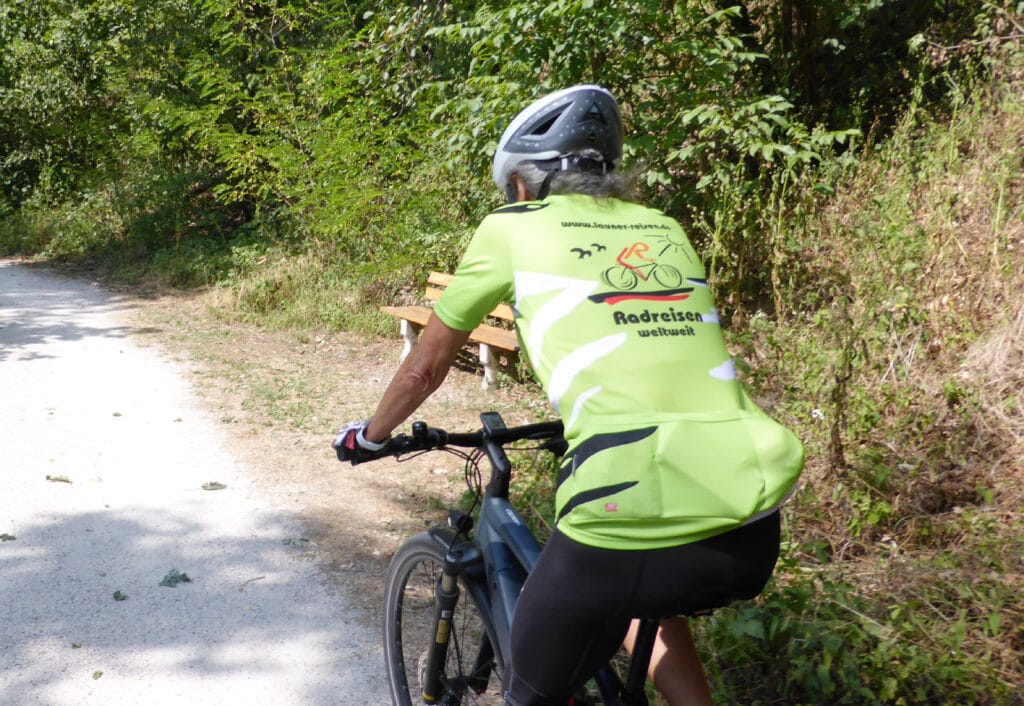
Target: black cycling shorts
{"points": [[577, 604]]}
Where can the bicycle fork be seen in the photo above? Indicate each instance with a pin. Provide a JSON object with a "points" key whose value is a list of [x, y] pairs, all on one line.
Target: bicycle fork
{"points": [[439, 687], [447, 595]]}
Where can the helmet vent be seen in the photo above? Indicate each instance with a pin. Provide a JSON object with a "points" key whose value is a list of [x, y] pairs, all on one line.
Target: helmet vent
{"points": [[544, 125], [594, 113]]}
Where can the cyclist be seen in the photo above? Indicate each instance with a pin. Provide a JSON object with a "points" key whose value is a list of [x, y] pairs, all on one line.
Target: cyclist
{"points": [[668, 497]]}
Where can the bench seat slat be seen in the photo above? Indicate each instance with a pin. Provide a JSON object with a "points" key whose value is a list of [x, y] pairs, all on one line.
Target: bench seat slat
{"points": [[414, 317], [495, 337], [503, 311], [417, 314], [432, 294], [484, 333]]}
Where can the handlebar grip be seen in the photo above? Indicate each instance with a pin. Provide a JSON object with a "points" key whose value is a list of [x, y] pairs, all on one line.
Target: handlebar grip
{"points": [[426, 438], [400, 443], [362, 455]]}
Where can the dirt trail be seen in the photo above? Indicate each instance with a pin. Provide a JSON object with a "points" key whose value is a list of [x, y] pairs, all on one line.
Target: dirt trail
{"points": [[107, 459], [281, 396]]}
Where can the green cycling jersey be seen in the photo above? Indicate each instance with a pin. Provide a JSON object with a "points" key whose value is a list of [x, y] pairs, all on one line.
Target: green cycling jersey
{"points": [[614, 313]]}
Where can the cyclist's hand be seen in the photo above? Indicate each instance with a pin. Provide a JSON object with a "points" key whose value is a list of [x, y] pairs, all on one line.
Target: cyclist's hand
{"points": [[352, 446]]}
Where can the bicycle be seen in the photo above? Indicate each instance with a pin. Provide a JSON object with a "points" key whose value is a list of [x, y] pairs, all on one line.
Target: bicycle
{"points": [[450, 592], [626, 277]]}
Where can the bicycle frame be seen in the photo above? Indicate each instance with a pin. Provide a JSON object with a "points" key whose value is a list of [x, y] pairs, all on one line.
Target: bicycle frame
{"points": [[506, 551], [509, 551]]}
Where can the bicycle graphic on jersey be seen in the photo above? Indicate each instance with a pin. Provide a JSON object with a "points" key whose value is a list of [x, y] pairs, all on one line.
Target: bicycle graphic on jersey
{"points": [[634, 266]]}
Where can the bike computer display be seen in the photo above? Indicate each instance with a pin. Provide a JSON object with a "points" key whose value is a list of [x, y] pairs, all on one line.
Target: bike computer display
{"points": [[492, 421]]}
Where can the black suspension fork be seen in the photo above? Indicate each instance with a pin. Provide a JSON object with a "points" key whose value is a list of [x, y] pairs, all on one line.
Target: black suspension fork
{"points": [[461, 559], [446, 597]]}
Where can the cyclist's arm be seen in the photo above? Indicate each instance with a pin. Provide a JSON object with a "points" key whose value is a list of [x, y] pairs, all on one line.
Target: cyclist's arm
{"points": [[420, 374]]}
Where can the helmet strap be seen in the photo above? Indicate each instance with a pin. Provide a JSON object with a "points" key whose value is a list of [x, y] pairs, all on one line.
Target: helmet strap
{"points": [[569, 163], [545, 185]]}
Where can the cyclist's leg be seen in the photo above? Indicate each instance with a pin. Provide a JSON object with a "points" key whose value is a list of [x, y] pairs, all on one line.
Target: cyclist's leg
{"points": [[571, 617], [731, 566], [675, 668]]}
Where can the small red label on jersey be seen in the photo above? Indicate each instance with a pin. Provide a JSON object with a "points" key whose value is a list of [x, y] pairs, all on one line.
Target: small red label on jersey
{"points": [[611, 507]]}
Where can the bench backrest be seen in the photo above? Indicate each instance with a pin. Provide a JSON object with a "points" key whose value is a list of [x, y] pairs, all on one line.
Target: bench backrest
{"points": [[437, 281]]}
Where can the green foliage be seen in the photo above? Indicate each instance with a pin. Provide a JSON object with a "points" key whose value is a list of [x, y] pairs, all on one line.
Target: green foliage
{"points": [[856, 63], [818, 641], [818, 638], [678, 72], [57, 99], [64, 232], [230, 99], [298, 117]]}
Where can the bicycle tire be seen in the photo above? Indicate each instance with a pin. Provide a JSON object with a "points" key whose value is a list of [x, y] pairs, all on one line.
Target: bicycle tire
{"points": [[409, 596], [621, 278], [667, 276]]}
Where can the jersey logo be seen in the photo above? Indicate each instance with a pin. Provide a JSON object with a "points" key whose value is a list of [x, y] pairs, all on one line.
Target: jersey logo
{"points": [[665, 295], [590, 495], [588, 252], [636, 266]]}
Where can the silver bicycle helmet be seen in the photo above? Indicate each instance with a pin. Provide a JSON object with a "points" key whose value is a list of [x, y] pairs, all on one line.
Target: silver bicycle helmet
{"points": [[573, 120]]}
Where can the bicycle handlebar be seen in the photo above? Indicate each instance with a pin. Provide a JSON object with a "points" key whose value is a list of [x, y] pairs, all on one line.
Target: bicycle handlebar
{"points": [[426, 438]]}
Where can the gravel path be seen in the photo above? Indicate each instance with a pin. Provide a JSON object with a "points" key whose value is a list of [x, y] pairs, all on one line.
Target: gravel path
{"points": [[103, 460]]}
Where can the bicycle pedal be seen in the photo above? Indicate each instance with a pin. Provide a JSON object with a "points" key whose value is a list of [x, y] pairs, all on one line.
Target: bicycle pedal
{"points": [[460, 521]]}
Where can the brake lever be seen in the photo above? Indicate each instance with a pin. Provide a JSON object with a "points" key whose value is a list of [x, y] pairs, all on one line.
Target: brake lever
{"points": [[557, 445]]}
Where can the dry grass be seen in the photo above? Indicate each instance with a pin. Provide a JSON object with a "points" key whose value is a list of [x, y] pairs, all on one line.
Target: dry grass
{"points": [[995, 364]]}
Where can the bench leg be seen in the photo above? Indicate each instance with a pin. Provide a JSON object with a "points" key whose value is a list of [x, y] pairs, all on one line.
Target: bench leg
{"points": [[410, 335], [490, 363]]}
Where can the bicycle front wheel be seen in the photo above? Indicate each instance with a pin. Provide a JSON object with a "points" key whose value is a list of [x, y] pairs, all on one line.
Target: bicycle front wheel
{"points": [[472, 671]]}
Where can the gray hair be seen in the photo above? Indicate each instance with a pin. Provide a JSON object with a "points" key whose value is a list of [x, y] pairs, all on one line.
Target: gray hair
{"points": [[610, 185]]}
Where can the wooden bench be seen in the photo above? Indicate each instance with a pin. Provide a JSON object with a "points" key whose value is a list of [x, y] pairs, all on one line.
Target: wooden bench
{"points": [[489, 337]]}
